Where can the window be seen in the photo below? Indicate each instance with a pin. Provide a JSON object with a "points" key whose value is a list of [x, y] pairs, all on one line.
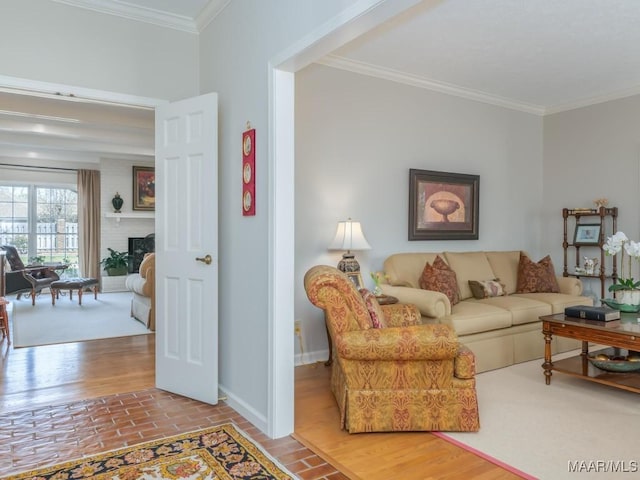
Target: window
{"points": [[42, 223]]}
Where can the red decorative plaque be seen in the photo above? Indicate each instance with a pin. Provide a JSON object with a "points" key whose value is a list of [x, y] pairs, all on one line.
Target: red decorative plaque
{"points": [[249, 172]]}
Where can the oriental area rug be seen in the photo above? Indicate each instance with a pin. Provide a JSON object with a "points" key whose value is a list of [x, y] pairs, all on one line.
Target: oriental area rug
{"points": [[222, 452]]}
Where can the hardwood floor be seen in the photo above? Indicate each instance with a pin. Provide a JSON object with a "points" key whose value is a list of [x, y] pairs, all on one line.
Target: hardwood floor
{"points": [[100, 395]]}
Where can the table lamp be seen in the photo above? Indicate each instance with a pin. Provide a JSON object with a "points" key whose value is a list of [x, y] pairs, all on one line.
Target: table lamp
{"points": [[349, 237]]}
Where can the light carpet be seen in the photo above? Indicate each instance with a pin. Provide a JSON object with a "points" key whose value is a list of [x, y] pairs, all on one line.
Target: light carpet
{"points": [[571, 428], [44, 324], [222, 452]]}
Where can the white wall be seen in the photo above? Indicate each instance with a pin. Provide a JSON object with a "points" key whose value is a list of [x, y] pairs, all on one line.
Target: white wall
{"points": [[117, 176], [589, 153], [235, 50], [56, 43], [356, 139]]}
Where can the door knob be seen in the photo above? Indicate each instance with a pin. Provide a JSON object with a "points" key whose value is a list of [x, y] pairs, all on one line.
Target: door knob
{"points": [[206, 259]]}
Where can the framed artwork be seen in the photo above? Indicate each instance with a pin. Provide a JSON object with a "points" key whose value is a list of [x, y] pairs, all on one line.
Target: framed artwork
{"points": [[356, 278], [443, 206], [587, 234], [144, 188]]}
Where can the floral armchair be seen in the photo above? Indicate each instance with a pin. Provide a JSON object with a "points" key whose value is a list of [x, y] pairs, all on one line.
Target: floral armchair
{"points": [[404, 377]]}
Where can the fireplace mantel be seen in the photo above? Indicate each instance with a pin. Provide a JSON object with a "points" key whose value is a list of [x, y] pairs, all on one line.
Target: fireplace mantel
{"points": [[134, 215]]}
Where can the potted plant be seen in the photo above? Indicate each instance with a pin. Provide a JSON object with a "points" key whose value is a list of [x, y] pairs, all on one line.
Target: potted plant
{"points": [[117, 263], [625, 289]]}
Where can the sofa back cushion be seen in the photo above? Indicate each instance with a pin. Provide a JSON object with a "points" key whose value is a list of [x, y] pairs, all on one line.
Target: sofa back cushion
{"points": [[405, 269], [505, 266], [469, 266]]}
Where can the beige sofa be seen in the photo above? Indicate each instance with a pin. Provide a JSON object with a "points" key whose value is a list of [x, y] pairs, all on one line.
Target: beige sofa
{"points": [[501, 330], [143, 286]]}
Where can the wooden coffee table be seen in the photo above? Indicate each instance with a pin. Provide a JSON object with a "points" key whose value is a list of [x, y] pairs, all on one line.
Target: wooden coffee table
{"points": [[618, 334]]}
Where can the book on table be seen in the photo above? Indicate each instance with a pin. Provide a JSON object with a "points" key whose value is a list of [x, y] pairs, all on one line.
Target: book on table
{"points": [[588, 312]]}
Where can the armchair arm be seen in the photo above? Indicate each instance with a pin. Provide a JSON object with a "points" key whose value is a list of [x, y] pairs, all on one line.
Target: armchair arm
{"points": [[401, 315], [419, 342], [430, 303], [16, 281], [570, 285], [465, 363]]}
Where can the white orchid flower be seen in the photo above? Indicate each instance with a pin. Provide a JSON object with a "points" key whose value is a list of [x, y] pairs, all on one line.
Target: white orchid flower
{"points": [[614, 243], [633, 249]]}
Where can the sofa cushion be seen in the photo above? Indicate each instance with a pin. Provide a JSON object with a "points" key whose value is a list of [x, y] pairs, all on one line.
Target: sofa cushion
{"points": [[440, 278], [557, 301], [487, 288], [522, 309], [537, 277], [505, 267], [375, 311], [475, 316], [405, 269], [469, 266]]}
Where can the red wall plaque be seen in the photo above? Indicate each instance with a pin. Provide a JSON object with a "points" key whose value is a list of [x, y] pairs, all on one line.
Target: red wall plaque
{"points": [[249, 172]]}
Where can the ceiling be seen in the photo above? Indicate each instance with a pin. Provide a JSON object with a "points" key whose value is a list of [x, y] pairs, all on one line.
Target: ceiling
{"points": [[539, 56]]}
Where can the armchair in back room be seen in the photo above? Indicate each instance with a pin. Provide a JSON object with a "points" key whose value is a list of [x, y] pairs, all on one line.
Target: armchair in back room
{"points": [[25, 279]]}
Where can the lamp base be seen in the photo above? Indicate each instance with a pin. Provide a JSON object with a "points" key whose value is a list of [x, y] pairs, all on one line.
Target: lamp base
{"points": [[348, 264]]}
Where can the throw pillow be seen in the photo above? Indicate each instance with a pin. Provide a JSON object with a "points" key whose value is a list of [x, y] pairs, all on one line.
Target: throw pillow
{"points": [[440, 278], [375, 312], [487, 288], [536, 277]]}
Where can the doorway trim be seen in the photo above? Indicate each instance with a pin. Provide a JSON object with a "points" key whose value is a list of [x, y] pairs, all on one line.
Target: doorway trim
{"points": [[349, 24], [59, 91]]}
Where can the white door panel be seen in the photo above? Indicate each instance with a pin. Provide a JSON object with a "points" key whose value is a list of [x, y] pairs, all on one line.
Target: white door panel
{"points": [[187, 231]]}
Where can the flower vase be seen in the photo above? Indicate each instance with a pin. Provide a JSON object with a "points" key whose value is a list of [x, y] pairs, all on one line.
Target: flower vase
{"points": [[627, 297], [377, 291]]}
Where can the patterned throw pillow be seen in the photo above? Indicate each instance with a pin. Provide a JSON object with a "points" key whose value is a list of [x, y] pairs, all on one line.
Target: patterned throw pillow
{"points": [[487, 288], [536, 277], [375, 312], [440, 278]]}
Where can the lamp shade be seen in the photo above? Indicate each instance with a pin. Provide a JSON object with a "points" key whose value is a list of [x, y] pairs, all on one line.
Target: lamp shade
{"points": [[349, 237]]}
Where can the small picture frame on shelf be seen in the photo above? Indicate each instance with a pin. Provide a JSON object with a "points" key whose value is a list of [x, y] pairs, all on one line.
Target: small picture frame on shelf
{"points": [[587, 234], [356, 278]]}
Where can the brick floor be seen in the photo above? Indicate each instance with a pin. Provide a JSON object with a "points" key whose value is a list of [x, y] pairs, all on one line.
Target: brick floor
{"points": [[50, 435]]}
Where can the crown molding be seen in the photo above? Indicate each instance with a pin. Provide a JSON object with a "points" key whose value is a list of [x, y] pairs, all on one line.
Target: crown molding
{"points": [[210, 12], [421, 82], [134, 12], [586, 102]]}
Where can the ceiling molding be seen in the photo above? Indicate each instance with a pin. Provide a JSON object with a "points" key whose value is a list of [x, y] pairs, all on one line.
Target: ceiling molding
{"points": [[136, 12], [210, 12], [363, 68], [630, 92]]}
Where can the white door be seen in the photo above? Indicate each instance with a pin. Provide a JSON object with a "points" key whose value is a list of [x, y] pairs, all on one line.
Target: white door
{"points": [[187, 247]]}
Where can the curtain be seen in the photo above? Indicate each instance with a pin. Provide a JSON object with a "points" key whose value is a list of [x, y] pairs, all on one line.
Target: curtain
{"points": [[89, 223]]}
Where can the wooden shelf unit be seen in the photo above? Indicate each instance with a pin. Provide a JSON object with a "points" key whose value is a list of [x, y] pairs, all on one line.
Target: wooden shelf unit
{"points": [[607, 218]]}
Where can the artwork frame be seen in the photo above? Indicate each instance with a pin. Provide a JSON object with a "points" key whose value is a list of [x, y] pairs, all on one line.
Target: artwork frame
{"points": [[144, 188], [587, 234], [356, 278], [443, 205]]}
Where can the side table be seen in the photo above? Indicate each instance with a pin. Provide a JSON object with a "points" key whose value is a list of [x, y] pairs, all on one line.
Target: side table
{"points": [[4, 320], [382, 300]]}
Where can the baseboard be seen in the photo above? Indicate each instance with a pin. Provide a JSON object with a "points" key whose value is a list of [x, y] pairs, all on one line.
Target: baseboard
{"points": [[248, 412], [307, 358]]}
